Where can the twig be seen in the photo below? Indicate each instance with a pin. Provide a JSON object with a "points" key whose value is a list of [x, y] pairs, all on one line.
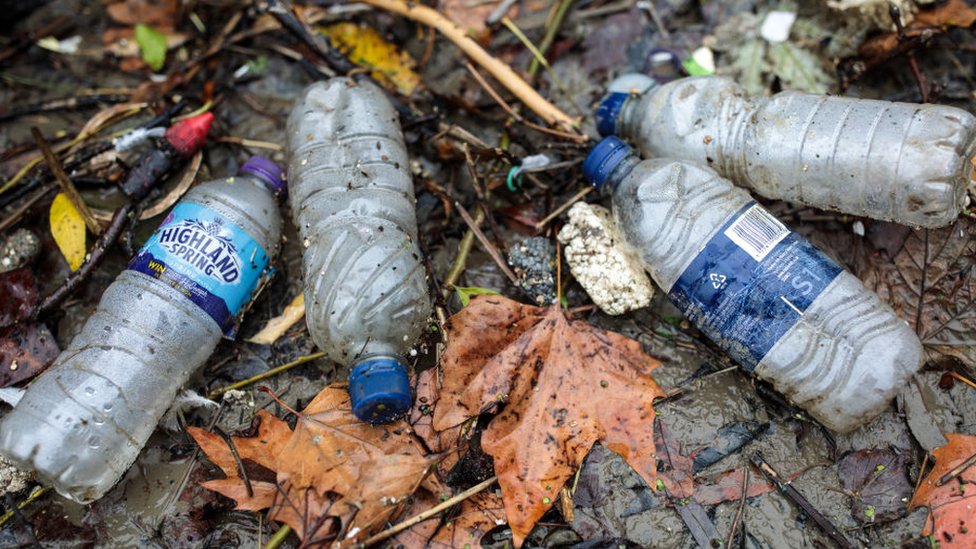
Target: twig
{"points": [[282, 11], [555, 213], [275, 541], [237, 459], [552, 30], [789, 491], [501, 71], [67, 187], [738, 512], [461, 259], [265, 375], [35, 495], [968, 462], [15, 216], [489, 247], [420, 517], [93, 259], [163, 204]]}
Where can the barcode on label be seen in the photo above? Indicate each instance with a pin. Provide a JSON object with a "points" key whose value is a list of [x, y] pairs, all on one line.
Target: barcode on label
{"points": [[757, 232]]}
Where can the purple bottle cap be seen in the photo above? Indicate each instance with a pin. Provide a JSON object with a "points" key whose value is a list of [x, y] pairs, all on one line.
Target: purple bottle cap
{"points": [[268, 171]]}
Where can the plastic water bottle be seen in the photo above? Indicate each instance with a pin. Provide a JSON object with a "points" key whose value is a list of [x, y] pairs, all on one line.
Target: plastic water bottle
{"points": [[82, 423], [366, 296], [777, 305], [899, 162]]}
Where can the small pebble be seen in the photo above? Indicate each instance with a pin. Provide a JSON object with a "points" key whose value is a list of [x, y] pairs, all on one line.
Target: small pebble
{"points": [[18, 250]]}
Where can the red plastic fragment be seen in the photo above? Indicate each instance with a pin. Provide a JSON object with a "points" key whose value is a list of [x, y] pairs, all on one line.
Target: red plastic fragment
{"points": [[188, 136]]}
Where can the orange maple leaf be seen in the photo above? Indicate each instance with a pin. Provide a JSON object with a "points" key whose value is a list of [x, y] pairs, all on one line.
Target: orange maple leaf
{"points": [[565, 385], [951, 505], [333, 475]]}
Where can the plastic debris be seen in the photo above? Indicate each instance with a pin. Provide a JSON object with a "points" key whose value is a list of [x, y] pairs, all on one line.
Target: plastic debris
{"points": [[609, 271]]}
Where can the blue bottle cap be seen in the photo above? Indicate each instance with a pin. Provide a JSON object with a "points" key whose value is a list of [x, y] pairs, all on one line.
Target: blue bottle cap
{"points": [[268, 171], [606, 114], [603, 158], [379, 389]]}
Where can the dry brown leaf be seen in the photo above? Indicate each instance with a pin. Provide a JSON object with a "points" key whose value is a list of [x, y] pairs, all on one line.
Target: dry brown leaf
{"points": [[471, 15], [277, 326], [158, 13], [931, 283], [565, 385], [448, 442], [262, 449], [954, 13], [952, 506], [463, 527], [370, 469]]}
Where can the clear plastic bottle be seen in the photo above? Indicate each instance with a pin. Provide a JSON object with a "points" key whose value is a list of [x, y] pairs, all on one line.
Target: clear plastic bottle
{"points": [[899, 162], [82, 423], [366, 296], [780, 307]]}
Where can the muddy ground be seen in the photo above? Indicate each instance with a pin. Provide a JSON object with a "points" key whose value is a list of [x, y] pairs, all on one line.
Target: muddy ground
{"points": [[158, 504]]}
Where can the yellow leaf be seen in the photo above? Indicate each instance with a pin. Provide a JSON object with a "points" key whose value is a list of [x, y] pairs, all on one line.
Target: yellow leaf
{"points": [[68, 230], [278, 325], [391, 67]]}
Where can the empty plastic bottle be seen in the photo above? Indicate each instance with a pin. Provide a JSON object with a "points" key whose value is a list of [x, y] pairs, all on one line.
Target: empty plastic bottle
{"points": [[82, 423], [776, 304], [366, 297], [899, 162]]}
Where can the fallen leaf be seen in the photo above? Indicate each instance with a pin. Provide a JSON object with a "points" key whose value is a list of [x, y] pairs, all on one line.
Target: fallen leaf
{"points": [[472, 15], [674, 467], [390, 66], [152, 45], [371, 469], [422, 418], [158, 13], [463, 527], [565, 386], [277, 326], [262, 449], [465, 293], [68, 230], [878, 481], [18, 294], [952, 506], [931, 283], [727, 486], [954, 13], [26, 349], [122, 43]]}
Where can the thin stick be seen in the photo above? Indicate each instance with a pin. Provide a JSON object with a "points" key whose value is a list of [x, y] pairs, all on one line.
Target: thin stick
{"points": [[275, 541], [20, 506], [489, 247], [251, 143], [265, 375], [551, 31], [491, 91], [956, 470], [417, 519], [237, 459], [67, 187], [794, 495], [555, 213], [738, 512], [461, 260], [501, 71]]}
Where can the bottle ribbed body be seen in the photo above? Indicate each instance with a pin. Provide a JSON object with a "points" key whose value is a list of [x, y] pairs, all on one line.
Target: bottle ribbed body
{"points": [[82, 423], [352, 199], [901, 162], [841, 357]]}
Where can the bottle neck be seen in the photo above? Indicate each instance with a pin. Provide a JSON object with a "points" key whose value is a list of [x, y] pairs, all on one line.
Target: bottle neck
{"points": [[619, 172], [626, 118]]}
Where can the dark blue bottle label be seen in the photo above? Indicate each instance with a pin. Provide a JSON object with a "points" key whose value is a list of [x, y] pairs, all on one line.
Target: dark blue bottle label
{"points": [[208, 258], [751, 283]]}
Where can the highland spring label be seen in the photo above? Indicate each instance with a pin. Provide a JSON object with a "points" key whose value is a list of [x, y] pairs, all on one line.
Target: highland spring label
{"points": [[210, 260]]}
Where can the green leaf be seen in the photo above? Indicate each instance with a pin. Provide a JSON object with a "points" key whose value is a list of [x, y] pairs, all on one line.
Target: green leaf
{"points": [[799, 69], [464, 294], [747, 62], [152, 44]]}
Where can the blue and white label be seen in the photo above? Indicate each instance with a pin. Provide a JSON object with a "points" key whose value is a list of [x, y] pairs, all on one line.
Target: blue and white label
{"points": [[751, 283], [208, 258]]}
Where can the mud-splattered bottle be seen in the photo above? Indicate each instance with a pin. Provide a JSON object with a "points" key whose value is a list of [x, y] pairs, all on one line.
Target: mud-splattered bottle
{"points": [[900, 162], [366, 297], [780, 307], [82, 423]]}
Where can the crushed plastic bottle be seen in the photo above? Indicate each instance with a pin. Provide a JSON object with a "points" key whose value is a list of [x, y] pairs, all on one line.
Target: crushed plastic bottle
{"points": [[82, 423], [366, 295], [776, 304], [899, 162]]}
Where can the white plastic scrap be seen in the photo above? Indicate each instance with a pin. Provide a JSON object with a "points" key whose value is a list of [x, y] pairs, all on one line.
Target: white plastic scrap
{"points": [[129, 140], [777, 25], [530, 163], [12, 479], [604, 266]]}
